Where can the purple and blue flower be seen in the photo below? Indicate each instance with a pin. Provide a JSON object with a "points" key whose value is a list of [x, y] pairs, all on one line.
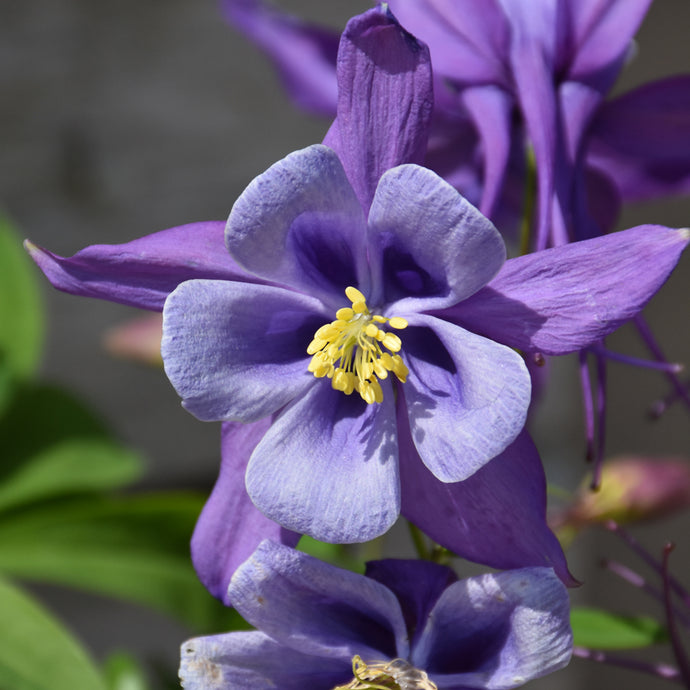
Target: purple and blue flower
{"points": [[405, 624]]}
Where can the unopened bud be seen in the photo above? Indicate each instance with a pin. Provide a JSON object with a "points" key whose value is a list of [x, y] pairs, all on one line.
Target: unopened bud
{"points": [[138, 339], [632, 489]]}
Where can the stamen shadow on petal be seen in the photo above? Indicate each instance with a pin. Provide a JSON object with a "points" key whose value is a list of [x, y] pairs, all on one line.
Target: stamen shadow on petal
{"points": [[424, 345], [322, 245], [378, 433], [404, 277]]}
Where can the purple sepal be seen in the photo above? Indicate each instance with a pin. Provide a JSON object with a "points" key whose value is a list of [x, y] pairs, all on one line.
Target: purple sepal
{"points": [[642, 139], [142, 273], [563, 299], [230, 528], [389, 126], [497, 517], [303, 55]]}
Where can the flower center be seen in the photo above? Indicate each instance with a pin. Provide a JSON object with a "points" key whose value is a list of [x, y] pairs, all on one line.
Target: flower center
{"points": [[350, 350], [387, 675]]}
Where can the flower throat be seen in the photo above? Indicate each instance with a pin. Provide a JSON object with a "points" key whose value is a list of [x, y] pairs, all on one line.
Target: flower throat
{"points": [[351, 350]]}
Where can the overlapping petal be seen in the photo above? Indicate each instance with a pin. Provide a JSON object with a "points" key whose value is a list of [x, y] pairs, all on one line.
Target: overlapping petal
{"points": [[317, 608], [253, 661], [497, 631], [429, 247], [563, 299], [642, 139], [496, 517], [468, 39], [303, 55], [142, 273], [385, 100], [301, 224], [467, 397], [328, 466], [227, 345], [230, 526], [494, 631], [602, 31], [416, 584]]}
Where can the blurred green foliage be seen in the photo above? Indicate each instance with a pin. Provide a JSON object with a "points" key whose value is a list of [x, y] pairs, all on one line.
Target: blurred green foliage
{"points": [[67, 518]]}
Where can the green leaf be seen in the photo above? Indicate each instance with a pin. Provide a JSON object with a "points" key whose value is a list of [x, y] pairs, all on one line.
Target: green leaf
{"points": [[21, 309], [597, 629], [123, 672], [68, 467], [337, 554], [134, 548], [53, 445], [36, 652]]}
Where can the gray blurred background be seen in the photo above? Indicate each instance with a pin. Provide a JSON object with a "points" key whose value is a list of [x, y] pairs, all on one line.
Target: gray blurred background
{"points": [[118, 119]]}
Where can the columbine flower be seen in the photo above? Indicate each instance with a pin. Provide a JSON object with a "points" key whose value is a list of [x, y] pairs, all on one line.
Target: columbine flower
{"points": [[408, 625], [313, 226], [328, 465]]}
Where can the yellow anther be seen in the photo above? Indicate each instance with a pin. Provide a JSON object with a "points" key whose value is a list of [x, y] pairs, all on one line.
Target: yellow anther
{"points": [[350, 351], [344, 314], [397, 322], [371, 330], [391, 341], [354, 295]]}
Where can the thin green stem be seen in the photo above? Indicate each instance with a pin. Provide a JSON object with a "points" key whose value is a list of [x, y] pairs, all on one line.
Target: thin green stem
{"points": [[419, 542], [530, 194]]}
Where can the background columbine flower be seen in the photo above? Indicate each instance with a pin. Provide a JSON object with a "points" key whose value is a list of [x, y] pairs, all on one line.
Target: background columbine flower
{"points": [[492, 631], [526, 79], [553, 302], [551, 64]]}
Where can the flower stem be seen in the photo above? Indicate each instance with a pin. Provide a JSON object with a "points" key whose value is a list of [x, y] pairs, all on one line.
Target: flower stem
{"points": [[419, 542], [676, 644]]}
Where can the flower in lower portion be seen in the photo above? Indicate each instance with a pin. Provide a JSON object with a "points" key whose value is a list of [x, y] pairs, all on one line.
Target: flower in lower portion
{"points": [[406, 625]]}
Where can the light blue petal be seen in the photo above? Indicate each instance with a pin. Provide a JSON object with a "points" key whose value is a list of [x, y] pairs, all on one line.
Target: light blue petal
{"points": [[317, 608], [328, 467], [430, 247], [253, 661], [238, 351], [300, 224], [497, 631], [467, 396]]}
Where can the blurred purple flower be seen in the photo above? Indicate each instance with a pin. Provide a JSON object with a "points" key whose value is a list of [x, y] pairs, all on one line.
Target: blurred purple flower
{"points": [[511, 74], [298, 238], [412, 621], [551, 63]]}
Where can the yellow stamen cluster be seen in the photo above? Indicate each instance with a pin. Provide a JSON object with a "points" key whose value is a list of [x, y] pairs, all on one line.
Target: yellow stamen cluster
{"points": [[350, 350], [387, 675]]}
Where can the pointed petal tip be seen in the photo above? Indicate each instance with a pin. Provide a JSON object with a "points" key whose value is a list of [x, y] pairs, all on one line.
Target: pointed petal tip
{"points": [[684, 234], [34, 251]]}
